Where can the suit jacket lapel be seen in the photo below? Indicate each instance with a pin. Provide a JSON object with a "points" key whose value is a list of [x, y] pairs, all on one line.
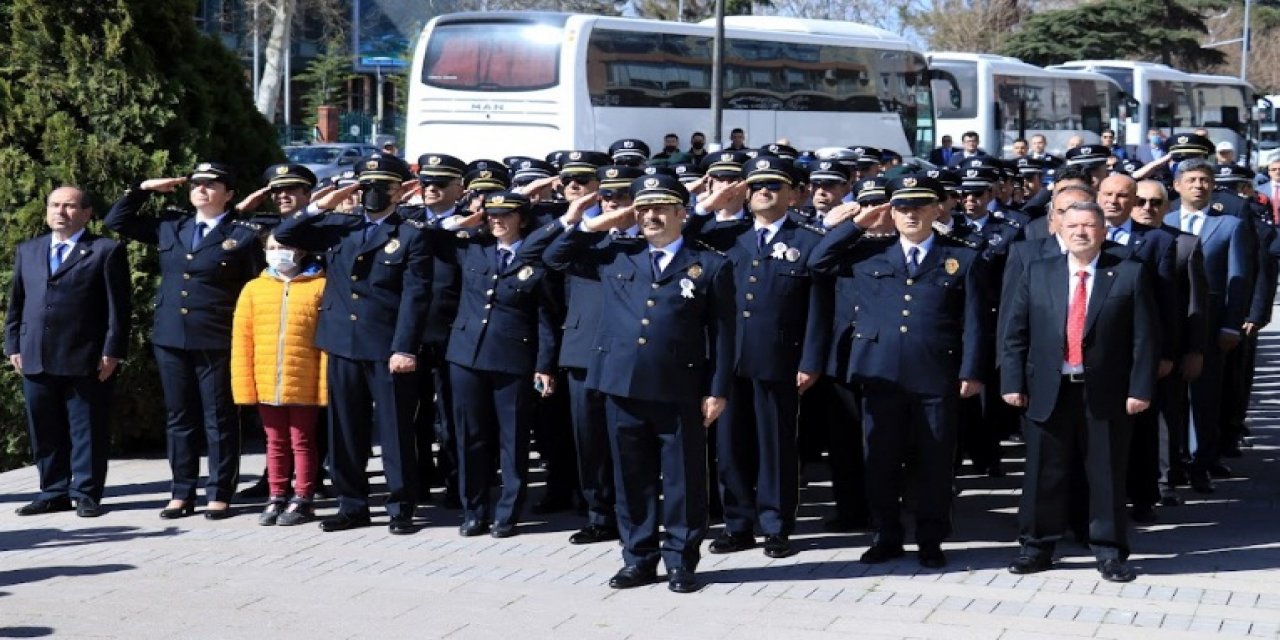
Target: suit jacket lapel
{"points": [[643, 264], [1058, 297], [682, 259], [214, 237], [1103, 277], [381, 233], [82, 249], [1210, 227]]}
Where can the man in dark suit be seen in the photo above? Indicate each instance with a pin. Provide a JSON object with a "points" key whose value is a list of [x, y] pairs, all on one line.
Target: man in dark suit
{"points": [[969, 151], [942, 155], [66, 331], [1156, 248], [663, 358], [919, 347], [1079, 400], [783, 321], [1229, 245], [206, 257], [1188, 331], [371, 325]]}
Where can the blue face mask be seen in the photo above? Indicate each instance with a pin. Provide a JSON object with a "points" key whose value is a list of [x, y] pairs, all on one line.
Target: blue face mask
{"points": [[1154, 139]]}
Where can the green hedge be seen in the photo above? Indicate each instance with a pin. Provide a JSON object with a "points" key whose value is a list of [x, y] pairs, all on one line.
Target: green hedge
{"points": [[101, 94]]}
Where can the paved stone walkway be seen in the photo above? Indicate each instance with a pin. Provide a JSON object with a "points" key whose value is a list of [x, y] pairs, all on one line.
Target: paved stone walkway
{"points": [[1208, 569]]}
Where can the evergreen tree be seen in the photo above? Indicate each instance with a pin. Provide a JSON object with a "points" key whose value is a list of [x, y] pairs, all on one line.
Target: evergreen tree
{"points": [[325, 79], [102, 94]]}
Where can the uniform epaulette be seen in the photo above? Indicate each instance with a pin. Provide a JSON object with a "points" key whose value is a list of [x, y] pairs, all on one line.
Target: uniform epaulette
{"points": [[417, 224], [818, 229], [706, 247], [964, 242], [248, 225], [999, 215], [175, 210], [880, 236]]}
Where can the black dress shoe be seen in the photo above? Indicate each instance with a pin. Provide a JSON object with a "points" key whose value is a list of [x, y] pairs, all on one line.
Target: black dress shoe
{"points": [[682, 581], [1116, 571], [258, 489], [344, 522], [632, 576], [1232, 450], [1200, 483], [472, 528], [732, 543], [401, 525], [1025, 564], [1143, 514], [593, 533], [930, 556], [881, 553], [1170, 499], [188, 508], [52, 505], [88, 508], [843, 524], [1220, 471], [217, 514], [778, 547], [502, 530]]}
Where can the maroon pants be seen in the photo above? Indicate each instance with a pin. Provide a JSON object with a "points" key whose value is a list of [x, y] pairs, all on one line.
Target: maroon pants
{"points": [[291, 438]]}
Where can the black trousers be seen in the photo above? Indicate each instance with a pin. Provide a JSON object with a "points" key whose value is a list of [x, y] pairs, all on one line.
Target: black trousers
{"points": [[67, 421], [494, 412], [845, 454], [757, 462], [434, 422], [659, 448], [1073, 433], [1175, 413], [1143, 476], [895, 423], [1237, 386], [595, 460], [197, 397], [1206, 408], [364, 395], [553, 439]]}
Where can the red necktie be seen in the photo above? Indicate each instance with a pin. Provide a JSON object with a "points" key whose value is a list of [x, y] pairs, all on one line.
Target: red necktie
{"points": [[1075, 322]]}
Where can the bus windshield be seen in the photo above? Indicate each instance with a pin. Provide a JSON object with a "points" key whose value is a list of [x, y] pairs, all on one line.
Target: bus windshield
{"points": [[493, 56], [966, 75]]}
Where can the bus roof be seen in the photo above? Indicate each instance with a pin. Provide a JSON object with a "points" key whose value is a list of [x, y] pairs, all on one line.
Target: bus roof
{"points": [[1005, 64]]}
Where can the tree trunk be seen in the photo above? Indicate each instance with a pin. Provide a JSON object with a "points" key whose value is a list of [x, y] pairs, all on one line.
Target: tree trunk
{"points": [[267, 95]]}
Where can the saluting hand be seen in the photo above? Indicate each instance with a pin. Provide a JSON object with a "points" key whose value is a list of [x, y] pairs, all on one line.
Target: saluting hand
{"points": [[162, 185], [106, 367], [403, 363], [538, 187], [622, 218], [840, 213], [698, 186], [251, 201], [578, 208], [712, 407], [725, 197], [412, 189], [333, 199]]}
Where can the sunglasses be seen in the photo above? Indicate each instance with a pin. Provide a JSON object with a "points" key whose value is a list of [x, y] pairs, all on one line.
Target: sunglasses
{"points": [[439, 184], [611, 194], [827, 184], [499, 214], [203, 183], [1155, 202], [772, 185], [579, 180]]}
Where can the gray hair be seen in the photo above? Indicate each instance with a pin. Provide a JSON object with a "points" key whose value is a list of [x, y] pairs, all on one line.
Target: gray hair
{"points": [[1089, 206], [1164, 193], [1199, 165]]}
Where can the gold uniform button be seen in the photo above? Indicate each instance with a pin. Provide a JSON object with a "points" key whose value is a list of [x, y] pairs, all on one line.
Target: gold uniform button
{"points": [[359, 258], [183, 311], [644, 321], [489, 292], [903, 328], [487, 306], [641, 340], [907, 297], [905, 313], [650, 303], [185, 294], [485, 321], [190, 257], [910, 281], [751, 279], [495, 276], [654, 285], [186, 276], [755, 263], [353, 317], [751, 296], [354, 278], [746, 314], [355, 296]]}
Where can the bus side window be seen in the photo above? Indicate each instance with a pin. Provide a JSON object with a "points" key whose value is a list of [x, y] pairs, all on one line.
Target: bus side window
{"points": [[1091, 119]]}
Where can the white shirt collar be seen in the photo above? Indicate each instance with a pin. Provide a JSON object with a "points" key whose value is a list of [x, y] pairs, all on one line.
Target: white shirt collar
{"points": [[670, 250], [212, 222], [773, 228], [513, 247], [69, 242], [924, 246]]}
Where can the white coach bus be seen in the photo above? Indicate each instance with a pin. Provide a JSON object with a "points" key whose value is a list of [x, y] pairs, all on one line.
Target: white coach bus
{"points": [[499, 84], [1003, 99], [1178, 102]]}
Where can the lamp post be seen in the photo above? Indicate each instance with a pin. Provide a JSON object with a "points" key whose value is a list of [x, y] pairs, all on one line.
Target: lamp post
{"points": [[717, 75]]}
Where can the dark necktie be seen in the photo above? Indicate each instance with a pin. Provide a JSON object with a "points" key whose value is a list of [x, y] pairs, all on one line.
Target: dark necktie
{"points": [[1075, 321], [504, 260], [368, 230], [59, 252], [764, 238], [201, 229], [913, 261], [657, 264]]}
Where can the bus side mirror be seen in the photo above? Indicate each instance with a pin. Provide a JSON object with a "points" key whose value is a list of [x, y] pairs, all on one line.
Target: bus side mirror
{"points": [[954, 96]]}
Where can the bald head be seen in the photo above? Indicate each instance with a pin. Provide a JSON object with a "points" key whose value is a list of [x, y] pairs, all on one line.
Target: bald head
{"points": [[1116, 196]]}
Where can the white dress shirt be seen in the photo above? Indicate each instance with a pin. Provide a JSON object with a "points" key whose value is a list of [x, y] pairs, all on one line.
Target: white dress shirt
{"points": [[668, 252], [1073, 281]]}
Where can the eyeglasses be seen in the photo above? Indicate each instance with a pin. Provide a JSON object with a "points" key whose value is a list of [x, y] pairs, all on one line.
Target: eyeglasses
{"points": [[827, 184], [439, 184], [613, 194], [772, 185], [1155, 202], [579, 180]]}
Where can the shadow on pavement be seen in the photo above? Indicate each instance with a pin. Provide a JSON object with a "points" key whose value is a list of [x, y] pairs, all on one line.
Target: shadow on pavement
{"points": [[25, 632], [36, 574], [20, 539]]}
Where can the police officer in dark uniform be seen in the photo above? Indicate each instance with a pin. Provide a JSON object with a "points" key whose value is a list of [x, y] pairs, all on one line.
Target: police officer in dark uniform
{"points": [[206, 257], [664, 360], [502, 350], [375, 302], [915, 357], [628, 152], [782, 340]]}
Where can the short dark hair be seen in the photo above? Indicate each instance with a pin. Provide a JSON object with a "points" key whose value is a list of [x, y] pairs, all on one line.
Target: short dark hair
{"points": [[1074, 172], [698, 133], [1194, 164], [970, 134], [85, 201], [671, 135], [738, 130], [1022, 140], [1110, 131]]}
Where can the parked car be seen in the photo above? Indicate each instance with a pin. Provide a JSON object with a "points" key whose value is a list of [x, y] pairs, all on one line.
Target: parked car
{"points": [[329, 159]]}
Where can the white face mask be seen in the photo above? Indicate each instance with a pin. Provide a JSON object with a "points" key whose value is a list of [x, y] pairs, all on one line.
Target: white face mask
{"points": [[280, 259]]}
